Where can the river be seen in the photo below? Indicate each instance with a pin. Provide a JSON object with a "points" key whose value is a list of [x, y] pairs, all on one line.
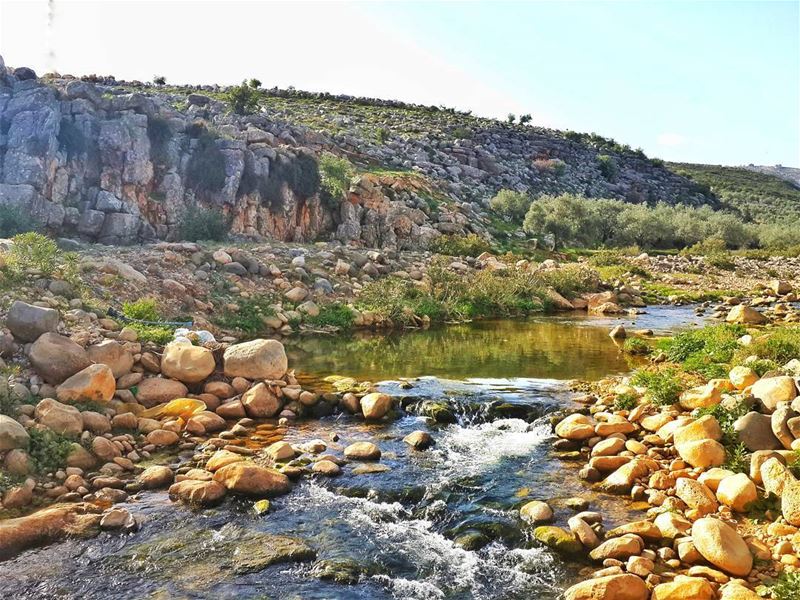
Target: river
{"points": [[441, 523]]}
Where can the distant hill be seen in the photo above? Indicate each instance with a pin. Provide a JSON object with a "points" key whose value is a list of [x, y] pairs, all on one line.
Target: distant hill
{"points": [[790, 174], [759, 194]]}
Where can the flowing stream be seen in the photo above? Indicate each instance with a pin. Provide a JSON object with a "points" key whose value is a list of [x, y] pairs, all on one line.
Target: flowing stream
{"points": [[440, 523]]}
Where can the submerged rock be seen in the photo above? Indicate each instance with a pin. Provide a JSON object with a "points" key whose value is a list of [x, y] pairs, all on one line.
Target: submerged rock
{"points": [[558, 539], [46, 526]]}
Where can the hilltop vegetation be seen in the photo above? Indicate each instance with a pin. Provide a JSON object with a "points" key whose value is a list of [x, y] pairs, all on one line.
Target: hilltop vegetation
{"points": [[757, 197]]}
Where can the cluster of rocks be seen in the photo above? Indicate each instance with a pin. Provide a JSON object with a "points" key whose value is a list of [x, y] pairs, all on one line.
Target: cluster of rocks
{"points": [[696, 540], [118, 163], [116, 402]]}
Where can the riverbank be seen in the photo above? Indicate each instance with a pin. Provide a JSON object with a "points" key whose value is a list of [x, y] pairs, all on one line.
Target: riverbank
{"points": [[706, 438], [98, 410]]}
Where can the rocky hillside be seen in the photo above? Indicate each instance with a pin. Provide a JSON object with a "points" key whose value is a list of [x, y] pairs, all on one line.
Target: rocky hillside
{"points": [[122, 162]]}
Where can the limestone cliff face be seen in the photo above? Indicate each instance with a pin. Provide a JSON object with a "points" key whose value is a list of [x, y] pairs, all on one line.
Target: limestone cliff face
{"points": [[123, 163]]}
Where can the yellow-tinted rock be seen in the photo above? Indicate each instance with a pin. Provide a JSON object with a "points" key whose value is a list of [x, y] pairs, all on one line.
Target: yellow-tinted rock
{"points": [[742, 377], [696, 495], [187, 363], [95, 383], [700, 397], [722, 546], [772, 390], [613, 587], [576, 427], [703, 453], [737, 492], [745, 315], [684, 588]]}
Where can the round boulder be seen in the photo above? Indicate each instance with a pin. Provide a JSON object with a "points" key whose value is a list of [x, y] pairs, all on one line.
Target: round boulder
{"points": [[722, 546], [187, 363], [257, 359], [95, 383]]}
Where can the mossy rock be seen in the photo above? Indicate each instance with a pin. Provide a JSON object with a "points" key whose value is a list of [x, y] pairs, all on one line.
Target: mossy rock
{"points": [[345, 572], [441, 412], [560, 540], [472, 540]]}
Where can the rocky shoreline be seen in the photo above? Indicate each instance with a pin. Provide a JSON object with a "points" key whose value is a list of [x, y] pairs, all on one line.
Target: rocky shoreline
{"points": [[714, 468]]}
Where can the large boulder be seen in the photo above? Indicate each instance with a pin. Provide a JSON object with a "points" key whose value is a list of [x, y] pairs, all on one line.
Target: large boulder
{"points": [[187, 363], [722, 546], [623, 586], [56, 357], [536, 512], [27, 322], [157, 390], [772, 390], [195, 491], [702, 453], [754, 430], [576, 427], [113, 354], [696, 495], [746, 315], [95, 383], [250, 479], [61, 418], [684, 588], [260, 403], [790, 502], [257, 359], [12, 434]]}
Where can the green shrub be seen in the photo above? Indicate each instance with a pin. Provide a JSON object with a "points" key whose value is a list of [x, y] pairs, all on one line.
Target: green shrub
{"points": [[35, 251], [392, 298], [510, 204], [663, 387], [713, 245], [144, 309], [721, 261], [13, 221], [335, 315], [153, 333], [570, 280], [608, 166], [243, 98], [8, 481], [8, 400], [626, 401], [707, 351], [787, 586], [462, 133], [457, 245], [336, 173], [763, 365], [726, 416], [48, 450], [205, 172], [779, 346], [71, 139], [636, 346], [737, 458], [203, 223]]}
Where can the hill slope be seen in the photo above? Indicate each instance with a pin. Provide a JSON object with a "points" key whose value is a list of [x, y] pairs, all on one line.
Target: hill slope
{"points": [[122, 162], [757, 196]]}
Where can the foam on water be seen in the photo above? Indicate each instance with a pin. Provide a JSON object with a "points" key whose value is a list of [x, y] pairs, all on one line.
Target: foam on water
{"points": [[443, 569]]}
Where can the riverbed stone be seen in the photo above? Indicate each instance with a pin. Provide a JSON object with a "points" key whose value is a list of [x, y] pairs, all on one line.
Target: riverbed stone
{"points": [[623, 586], [256, 359], [201, 493], [113, 354], [779, 422], [253, 480], [156, 477], [419, 440], [536, 512], [619, 548], [12, 434], [696, 495], [790, 502], [61, 418], [742, 377], [702, 453], [95, 383], [56, 357], [754, 430], [772, 390], [745, 315], [376, 405], [722, 546], [737, 492], [576, 427], [186, 362], [558, 539], [260, 403], [683, 588], [362, 451], [158, 390], [27, 322]]}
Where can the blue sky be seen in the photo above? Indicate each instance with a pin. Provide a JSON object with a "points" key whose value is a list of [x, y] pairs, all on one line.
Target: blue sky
{"points": [[714, 82]]}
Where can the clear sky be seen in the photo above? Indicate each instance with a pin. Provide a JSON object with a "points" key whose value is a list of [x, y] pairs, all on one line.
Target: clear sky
{"points": [[701, 81]]}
